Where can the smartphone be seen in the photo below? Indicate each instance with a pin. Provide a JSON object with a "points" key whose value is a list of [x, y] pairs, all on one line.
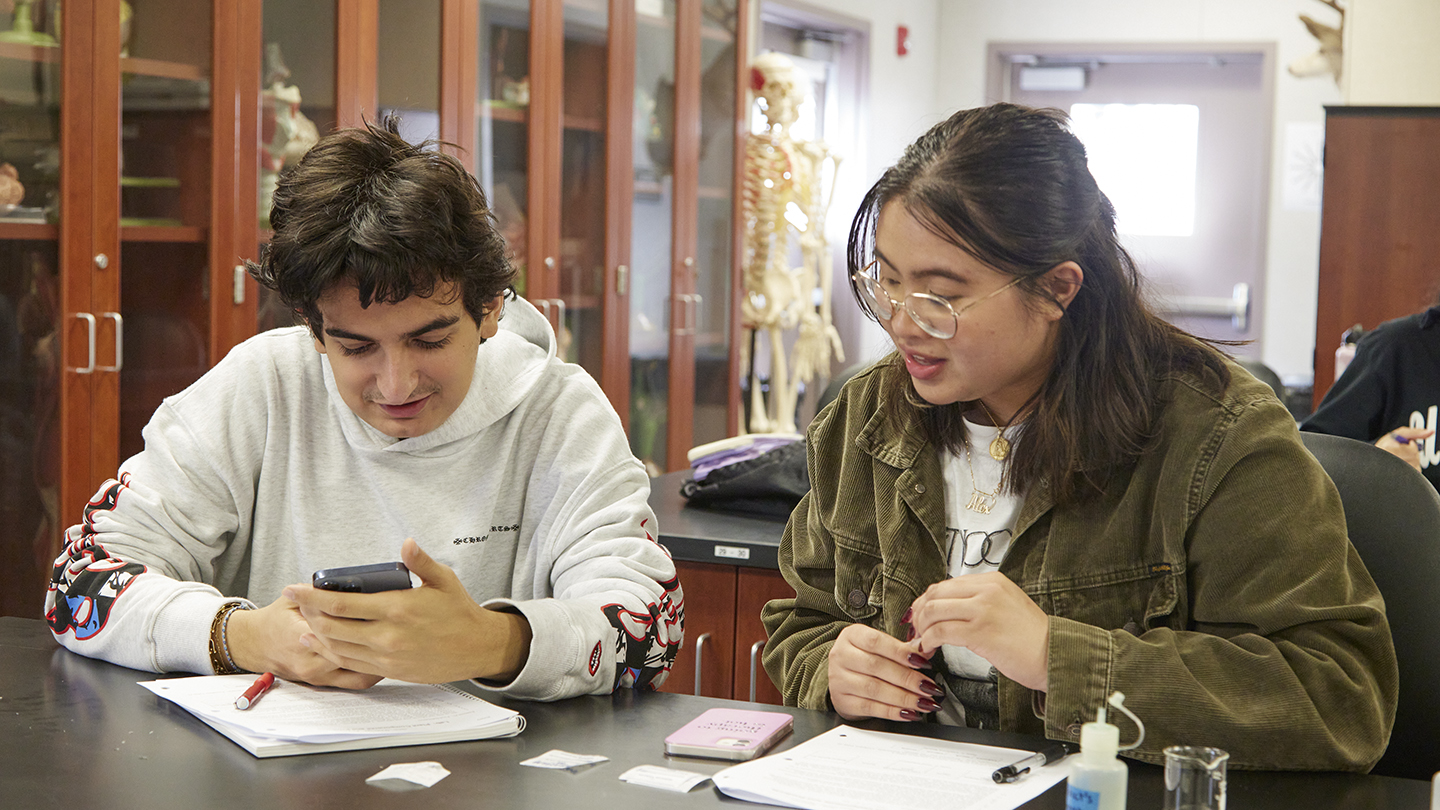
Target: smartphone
{"points": [[735, 734], [392, 576]]}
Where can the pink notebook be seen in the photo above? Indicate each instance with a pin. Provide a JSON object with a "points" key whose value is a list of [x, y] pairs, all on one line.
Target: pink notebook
{"points": [[729, 734]]}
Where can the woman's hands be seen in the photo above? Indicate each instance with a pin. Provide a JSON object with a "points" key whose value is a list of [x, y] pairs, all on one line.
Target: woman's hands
{"points": [[875, 675], [990, 615]]}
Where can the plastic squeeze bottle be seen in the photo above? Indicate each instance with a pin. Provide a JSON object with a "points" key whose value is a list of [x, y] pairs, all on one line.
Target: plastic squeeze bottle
{"points": [[1099, 779]]}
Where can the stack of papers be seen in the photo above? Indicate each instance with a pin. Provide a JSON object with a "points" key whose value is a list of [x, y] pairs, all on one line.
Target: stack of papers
{"points": [[295, 718], [853, 769]]}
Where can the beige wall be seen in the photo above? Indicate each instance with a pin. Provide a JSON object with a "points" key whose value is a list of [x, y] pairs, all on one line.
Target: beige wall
{"points": [[1292, 253], [1392, 52]]}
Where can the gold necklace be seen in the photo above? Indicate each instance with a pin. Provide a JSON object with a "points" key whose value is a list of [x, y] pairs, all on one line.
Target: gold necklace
{"points": [[980, 501], [1000, 446]]}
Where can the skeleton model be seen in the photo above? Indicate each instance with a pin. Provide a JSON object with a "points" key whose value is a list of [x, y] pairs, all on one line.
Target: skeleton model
{"points": [[784, 190]]}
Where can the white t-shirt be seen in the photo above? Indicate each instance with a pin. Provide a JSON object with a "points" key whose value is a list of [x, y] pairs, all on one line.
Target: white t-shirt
{"points": [[976, 541]]}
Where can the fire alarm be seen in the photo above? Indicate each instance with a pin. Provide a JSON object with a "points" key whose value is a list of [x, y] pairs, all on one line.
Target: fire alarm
{"points": [[902, 40]]}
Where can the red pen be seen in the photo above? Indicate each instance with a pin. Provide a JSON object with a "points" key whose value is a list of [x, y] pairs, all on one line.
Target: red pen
{"points": [[252, 695]]}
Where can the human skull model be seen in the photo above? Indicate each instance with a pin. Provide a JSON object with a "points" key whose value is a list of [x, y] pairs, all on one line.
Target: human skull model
{"points": [[775, 79]]}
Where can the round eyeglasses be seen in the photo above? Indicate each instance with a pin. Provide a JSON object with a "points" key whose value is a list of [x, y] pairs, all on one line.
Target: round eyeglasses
{"points": [[931, 313]]}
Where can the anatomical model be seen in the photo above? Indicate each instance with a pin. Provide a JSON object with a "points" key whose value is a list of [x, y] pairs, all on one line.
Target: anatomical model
{"points": [[286, 133], [785, 191]]}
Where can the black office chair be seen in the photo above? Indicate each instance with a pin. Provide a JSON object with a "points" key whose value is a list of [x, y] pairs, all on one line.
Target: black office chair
{"points": [[1393, 517]]}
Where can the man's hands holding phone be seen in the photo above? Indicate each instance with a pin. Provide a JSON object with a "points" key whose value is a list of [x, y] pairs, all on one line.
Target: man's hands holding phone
{"points": [[431, 634], [268, 640]]}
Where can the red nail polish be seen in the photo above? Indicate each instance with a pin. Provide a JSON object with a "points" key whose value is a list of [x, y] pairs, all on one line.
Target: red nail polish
{"points": [[918, 662], [906, 617], [906, 714], [928, 705], [909, 634], [932, 689]]}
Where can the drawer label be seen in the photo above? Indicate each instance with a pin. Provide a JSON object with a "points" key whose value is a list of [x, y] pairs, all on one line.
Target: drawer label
{"points": [[732, 552]]}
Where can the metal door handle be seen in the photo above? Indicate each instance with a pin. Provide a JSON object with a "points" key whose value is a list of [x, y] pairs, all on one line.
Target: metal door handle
{"points": [[685, 314], [699, 649], [560, 318], [89, 328], [754, 657], [119, 341]]}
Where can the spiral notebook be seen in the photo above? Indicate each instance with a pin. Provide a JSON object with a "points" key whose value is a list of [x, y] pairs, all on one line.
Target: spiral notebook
{"points": [[294, 718]]}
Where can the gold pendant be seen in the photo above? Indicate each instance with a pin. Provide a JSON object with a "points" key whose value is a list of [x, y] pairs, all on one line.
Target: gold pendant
{"points": [[981, 502], [1000, 448]]}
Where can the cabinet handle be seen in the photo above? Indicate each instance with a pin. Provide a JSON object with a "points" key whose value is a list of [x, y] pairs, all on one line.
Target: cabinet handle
{"points": [[695, 300], [560, 319], [754, 657], [699, 649], [622, 279], [89, 328], [119, 341], [550, 262], [684, 314]]}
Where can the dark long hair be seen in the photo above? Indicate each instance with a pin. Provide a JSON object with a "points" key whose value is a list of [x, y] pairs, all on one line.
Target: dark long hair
{"points": [[1010, 186], [395, 219]]}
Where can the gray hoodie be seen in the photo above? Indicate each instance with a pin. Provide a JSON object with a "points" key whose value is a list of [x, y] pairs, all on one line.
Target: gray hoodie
{"points": [[259, 474]]}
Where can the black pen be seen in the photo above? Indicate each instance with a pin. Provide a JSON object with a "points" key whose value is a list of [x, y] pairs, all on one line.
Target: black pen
{"points": [[1045, 756]]}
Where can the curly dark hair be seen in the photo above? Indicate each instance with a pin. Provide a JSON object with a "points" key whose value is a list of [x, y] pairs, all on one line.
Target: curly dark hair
{"points": [[1010, 185], [365, 207]]}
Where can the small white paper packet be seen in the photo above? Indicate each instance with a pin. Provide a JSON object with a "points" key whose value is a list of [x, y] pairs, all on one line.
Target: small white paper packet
{"points": [[421, 773], [663, 778], [564, 760]]}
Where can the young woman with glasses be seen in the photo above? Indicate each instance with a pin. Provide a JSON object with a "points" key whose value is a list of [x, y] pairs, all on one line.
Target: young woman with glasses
{"points": [[1047, 494]]}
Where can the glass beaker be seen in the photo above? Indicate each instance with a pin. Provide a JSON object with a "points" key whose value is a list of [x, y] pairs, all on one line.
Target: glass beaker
{"points": [[1194, 778]]}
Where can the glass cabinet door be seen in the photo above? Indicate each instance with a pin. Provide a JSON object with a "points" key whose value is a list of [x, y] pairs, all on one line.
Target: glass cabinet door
{"points": [[30, 304], [714, 235], [580, 267], [297, 105], [408, 66], [162, 327], [502, 132], [652, 230]]}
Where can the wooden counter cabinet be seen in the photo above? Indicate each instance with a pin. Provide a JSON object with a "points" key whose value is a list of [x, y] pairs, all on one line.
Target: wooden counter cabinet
{"points": [[723, 634]]}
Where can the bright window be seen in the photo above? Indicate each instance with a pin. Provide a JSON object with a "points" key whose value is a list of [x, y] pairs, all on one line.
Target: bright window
{"points": [[1143, 158]]}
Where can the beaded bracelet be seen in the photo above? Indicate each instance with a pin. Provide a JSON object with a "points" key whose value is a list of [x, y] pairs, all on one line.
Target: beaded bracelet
{"points": [[220, 659]]}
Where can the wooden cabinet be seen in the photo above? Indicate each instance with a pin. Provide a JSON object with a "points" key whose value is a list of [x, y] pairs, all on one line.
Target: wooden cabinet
{"points": [[140, 139], [723, 633], [118, 264], [1378, 235], [683, 315], [604, 133]]}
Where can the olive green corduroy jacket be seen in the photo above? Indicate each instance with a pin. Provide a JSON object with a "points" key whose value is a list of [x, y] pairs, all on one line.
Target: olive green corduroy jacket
{"points": [[1213, 583]]}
